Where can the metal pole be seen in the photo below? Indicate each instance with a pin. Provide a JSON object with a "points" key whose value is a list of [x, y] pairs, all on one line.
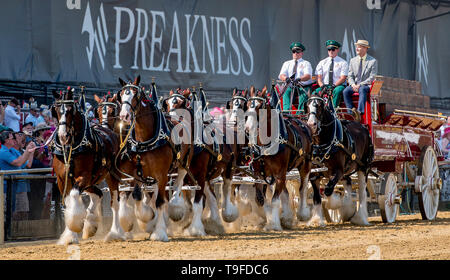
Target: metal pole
{"points": [[2, 212]]}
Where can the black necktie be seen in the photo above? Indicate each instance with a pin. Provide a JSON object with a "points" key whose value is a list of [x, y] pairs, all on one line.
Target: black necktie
{"points": [[358, 76], [330, 72], [294, 72]]}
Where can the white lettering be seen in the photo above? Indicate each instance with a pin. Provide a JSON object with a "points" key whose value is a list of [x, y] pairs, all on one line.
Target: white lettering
{"points": [[208, 44], [190, 45], [140, 39], [119, 41], [74, 4], [156, 40], [221, 45], [234, 46], [172, 49], [246, 46]]}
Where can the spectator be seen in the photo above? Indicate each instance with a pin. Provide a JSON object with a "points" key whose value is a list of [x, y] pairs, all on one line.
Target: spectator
{"points": [[49, 119], [34, 117], [41, 134], [2, 113], [27, 129], [446, 142], [12, 118], [22, 186], [11, 159]]}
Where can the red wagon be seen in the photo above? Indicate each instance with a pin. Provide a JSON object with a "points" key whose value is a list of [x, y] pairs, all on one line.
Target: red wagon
{"points": [[407, 155]]}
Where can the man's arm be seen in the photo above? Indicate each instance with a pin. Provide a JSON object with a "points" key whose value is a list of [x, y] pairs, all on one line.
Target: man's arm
{"points": [[344, 74], [11, 114], [25, 156], [283, 72], [341, 80]]}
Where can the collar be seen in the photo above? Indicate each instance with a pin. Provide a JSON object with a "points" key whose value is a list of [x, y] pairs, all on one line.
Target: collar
{"points": [[364, 57]]}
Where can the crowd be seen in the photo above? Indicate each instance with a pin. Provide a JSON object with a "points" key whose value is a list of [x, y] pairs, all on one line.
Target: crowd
{"points": [[23, 136]]}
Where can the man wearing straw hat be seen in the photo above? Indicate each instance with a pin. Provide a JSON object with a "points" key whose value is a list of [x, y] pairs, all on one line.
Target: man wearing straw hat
{"points": [[362, 71]]}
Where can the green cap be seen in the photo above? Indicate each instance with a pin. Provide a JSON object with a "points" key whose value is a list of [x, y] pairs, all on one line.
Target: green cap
{"points": [[332, 43], [296, 45]]}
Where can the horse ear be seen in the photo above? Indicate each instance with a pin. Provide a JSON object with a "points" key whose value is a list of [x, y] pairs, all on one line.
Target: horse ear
{"points": [[252, 91], [234, 92], [171, 92], [114, 98], [122, 83], [137, 80], [244, 93], [56, 95], [97, 99]]}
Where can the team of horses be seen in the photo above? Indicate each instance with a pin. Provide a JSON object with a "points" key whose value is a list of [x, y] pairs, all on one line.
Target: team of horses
{"points": [[158, 146]]}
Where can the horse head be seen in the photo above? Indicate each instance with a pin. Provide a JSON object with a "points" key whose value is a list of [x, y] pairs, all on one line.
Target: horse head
{"points": [[130, 96], [320, 113], [238, 102], [256, 102], [107, 110], [68, 116], [177, 100]]}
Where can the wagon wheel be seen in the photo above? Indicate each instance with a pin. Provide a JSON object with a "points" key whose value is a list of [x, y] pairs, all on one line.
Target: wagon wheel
{"points": [[428, 183], [386, 201]]}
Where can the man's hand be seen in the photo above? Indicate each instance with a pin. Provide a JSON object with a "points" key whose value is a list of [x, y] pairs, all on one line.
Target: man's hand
{"points": [[31, 147], [355, 88]]}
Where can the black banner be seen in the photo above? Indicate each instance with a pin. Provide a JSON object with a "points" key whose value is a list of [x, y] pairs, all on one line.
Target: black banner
{"points": [[222, 44]]}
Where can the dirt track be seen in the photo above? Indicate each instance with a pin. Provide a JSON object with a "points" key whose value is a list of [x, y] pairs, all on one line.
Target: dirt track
{"points": [[408, 238]]}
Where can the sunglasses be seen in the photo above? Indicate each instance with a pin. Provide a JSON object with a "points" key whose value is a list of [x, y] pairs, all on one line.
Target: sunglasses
{"points": [[332, 49], [297, 51]]}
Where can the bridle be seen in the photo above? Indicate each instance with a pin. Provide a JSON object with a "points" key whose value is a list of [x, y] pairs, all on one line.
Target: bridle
{"points": [[253, 100], [175, 96], [106, 105], [126, 89]]}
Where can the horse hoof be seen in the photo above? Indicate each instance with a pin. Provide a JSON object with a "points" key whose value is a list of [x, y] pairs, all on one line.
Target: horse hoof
{"points": [[89, 231], [304, 214], [272, 227], [114, 236], [213, 227], [68, 237], [195, 232], [159, 236], [287, 223], [230, 214]]}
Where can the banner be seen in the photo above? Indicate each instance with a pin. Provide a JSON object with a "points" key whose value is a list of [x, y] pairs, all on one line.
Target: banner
{"points": [[219, 44]]}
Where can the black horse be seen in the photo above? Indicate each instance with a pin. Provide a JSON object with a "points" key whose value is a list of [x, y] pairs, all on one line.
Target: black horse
{"points": [[344, 147]]}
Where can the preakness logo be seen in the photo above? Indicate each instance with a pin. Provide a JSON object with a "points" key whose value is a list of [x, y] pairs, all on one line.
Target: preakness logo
{"points": [[159, 42]]}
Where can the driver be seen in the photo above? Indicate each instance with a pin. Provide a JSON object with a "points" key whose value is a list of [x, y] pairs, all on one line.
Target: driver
{"points": [[302, 70], [332, 72]]}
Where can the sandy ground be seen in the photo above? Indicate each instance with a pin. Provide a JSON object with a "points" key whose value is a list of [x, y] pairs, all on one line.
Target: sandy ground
{"points": [[408, 238]]}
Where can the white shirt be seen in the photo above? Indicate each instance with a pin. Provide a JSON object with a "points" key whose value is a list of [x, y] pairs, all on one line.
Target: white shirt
{"points": [[340, 69], [12, 119], [303, 68]]}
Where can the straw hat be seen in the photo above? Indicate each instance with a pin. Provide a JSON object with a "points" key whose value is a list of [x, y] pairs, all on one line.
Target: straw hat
{"points": [[41, 126], [363, 43]]}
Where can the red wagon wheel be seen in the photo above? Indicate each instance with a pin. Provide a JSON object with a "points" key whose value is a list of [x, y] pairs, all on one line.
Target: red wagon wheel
{"points": [[428, 183]]}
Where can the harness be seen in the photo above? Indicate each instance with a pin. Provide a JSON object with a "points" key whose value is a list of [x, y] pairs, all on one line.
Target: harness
{"points": [[89, 142], [130, 146], [340, 137]]}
